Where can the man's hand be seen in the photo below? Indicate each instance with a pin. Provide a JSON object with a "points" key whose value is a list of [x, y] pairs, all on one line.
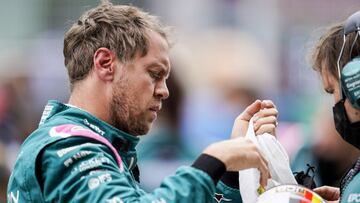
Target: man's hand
{"points": [[328, 193], [238, 154], [265, 119]]}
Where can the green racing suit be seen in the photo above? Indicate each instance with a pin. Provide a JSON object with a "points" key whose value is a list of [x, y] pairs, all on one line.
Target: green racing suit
{"points": [[75, 157], [350, 185]]}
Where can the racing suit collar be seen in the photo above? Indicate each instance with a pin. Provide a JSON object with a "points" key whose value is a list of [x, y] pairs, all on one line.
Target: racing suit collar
{"points": [[123, 142]]}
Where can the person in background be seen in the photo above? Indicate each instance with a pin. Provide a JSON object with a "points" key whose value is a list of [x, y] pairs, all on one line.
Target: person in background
{"points": [[326, 53], [327, 151]]}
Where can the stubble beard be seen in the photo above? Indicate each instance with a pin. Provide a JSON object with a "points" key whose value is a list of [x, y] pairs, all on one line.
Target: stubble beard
{"points": [[124, 113]]}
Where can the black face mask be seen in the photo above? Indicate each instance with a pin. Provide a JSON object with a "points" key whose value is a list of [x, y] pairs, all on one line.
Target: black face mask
{"points": [[350, 132]]}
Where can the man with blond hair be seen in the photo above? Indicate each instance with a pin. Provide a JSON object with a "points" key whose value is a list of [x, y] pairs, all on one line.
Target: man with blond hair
{"points": [[84, 151]]}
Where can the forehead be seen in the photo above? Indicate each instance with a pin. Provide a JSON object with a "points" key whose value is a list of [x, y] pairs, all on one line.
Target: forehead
{"points": [[157, 42], [158, 50]]}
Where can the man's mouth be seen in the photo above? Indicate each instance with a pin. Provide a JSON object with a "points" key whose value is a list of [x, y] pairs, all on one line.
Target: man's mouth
{"points": [[155, 108]]}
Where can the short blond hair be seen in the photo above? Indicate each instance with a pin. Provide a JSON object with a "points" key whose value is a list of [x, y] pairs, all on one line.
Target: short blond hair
{"points": [[120, 28]]}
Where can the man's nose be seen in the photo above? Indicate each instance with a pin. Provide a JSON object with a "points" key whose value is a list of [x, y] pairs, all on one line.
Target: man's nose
{"points": [[162, 91]]}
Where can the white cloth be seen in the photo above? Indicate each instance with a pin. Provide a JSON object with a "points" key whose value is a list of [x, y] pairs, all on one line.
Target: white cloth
{"points": [[278, 163]]}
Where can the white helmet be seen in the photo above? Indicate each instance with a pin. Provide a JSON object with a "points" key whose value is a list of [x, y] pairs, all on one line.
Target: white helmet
{"points": [[289, 194]]}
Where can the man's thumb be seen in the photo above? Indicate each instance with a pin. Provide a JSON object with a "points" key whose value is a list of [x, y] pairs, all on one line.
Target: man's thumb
{"points": [[242, 121], [250, 111]]}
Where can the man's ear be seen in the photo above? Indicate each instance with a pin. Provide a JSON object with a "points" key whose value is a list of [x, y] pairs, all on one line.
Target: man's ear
{"points": [[105, 64]]}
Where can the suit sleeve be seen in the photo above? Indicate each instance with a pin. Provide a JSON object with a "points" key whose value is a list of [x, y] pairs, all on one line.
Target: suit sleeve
{"points": [[86, 171], [227, 189]]}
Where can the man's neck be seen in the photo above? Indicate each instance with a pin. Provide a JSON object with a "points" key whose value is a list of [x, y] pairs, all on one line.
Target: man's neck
{"points": [[93, 102]]}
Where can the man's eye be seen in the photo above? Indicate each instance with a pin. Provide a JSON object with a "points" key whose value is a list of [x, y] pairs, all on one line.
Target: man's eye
{"points": [[329, 91], [155, 75]]}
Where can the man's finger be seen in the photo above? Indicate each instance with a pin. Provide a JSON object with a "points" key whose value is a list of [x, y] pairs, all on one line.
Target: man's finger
{"points": [[249, 112], [267, 104], [265, 113], [264, 173], [263, 168], [242, 121], [266, 128], [328, 193], [262, 121]]}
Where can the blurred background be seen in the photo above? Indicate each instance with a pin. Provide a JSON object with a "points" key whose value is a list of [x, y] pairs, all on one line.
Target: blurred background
{"points": [[227, 54]]}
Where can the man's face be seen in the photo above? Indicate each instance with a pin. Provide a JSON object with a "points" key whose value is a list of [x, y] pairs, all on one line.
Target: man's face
{"points": [[331, 86], [140, 87]]}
